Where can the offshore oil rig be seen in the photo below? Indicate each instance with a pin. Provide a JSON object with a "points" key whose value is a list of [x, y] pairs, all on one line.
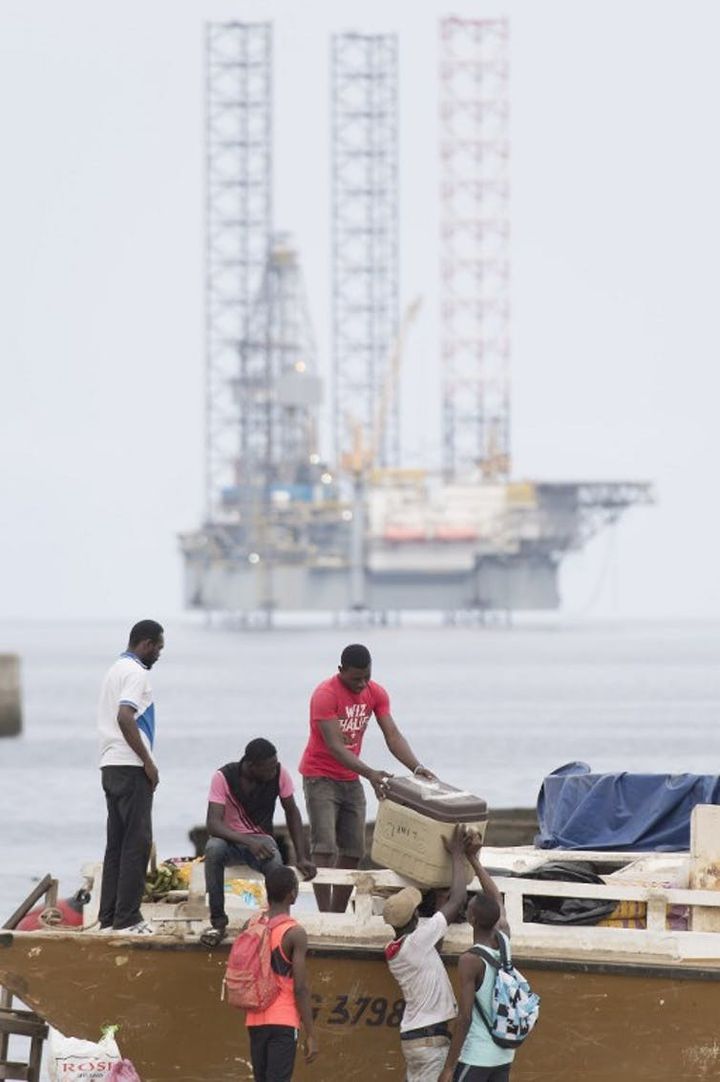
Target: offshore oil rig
{"points": [[288, 526]]}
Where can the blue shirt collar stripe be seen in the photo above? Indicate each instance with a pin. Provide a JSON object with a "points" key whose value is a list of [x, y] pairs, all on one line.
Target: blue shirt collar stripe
{"points": [[134, 657]]}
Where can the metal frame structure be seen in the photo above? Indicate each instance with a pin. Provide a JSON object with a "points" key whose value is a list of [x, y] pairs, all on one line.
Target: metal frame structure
{"points": [[365, 279], [475, 247], [572, 512], [279, 531], [239, 214], [279, 385]]}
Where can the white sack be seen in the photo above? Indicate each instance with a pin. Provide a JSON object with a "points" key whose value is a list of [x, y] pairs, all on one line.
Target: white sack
{"points": [[74, 1060]]}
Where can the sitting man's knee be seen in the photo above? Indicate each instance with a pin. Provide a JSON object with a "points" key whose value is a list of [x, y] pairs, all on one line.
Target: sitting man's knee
{"points": [[216, 850], [276, 858]]}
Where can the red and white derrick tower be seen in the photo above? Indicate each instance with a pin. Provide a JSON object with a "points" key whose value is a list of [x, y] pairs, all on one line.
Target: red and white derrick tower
{"points": [[475, 247]]}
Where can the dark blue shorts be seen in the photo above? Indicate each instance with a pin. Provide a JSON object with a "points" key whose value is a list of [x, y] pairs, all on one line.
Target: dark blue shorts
{"points": [[272, 1052], [465, 1073]]}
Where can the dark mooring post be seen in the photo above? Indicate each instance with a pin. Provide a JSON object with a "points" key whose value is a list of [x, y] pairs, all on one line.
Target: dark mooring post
{"points": [[10, 706]]}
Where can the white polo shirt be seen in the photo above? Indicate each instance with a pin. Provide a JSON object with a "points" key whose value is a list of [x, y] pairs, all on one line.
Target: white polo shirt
{"points": [[127, 683], [418, 968]]}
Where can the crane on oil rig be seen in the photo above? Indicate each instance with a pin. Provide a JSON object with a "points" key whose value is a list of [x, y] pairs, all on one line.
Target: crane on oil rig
{"points": [[365, 452], [360, 463]]}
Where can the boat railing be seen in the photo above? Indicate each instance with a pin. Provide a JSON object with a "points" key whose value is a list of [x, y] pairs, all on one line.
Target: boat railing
{"points": [[515, 889], [655, 937], [655, 932], [657, 899]]}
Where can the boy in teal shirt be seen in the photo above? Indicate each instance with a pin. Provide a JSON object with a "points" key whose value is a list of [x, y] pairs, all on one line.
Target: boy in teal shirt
{"points": [[473, 1055]]}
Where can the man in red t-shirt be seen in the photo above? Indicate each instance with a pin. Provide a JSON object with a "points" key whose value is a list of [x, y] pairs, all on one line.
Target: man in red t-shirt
{"points": [[340, 710]]}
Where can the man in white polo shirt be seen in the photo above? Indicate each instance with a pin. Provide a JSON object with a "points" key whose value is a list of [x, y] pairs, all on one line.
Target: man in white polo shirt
{"points": [[416, 965], [126, 726]]}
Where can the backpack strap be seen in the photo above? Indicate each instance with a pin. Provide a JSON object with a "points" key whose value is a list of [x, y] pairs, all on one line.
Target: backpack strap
{"points": [[486, 954], [482, 1014], [270, 922], [285, 922], [503, 946], [281, 918], [505, 951]]}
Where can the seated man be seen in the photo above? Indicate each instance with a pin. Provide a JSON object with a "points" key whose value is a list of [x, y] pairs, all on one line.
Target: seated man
{"points": [[241, 806]]}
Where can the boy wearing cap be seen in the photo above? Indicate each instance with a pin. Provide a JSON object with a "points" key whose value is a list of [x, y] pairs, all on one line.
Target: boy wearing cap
{"points": [[418, 968]]}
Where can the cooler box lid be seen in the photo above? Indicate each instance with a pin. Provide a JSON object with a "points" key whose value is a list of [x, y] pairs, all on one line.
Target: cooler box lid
{"points": [[437, 800]]}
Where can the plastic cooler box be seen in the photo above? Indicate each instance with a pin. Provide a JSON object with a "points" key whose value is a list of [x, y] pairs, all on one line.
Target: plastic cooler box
{"points": [[413, 820]]}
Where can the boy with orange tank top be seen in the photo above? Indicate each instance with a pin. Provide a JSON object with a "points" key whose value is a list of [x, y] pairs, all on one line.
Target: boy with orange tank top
{"points": [[274, 1031]]}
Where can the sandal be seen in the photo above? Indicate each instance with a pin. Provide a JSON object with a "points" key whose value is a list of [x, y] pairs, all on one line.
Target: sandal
{"points": [[212, 937]]}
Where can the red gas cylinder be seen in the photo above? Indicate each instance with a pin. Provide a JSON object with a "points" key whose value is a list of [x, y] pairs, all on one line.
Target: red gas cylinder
{"points": [[67, 913]]}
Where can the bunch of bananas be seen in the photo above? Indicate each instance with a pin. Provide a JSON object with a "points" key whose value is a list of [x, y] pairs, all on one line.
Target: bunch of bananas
{"points": [[165, 878]]}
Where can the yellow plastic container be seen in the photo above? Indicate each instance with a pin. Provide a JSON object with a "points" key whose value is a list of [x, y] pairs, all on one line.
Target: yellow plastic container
{"points": [[412, 822]]}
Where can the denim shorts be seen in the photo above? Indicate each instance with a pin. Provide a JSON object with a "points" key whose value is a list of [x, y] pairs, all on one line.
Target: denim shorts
{"points": [[336, 812]]}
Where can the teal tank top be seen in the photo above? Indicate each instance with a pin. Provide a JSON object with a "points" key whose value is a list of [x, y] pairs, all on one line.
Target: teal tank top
{"points": [[479, 1049]]}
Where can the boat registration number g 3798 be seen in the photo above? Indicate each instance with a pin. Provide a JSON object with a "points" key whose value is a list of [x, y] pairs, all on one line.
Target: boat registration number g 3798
{"points": [[363, 1011]]}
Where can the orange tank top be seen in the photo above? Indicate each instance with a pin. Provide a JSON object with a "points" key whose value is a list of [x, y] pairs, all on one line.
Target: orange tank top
{"points": [[283, 1010]]}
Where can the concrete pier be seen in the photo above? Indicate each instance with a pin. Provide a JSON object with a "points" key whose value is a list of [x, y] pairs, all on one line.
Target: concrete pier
{"points": [[10, 699]]}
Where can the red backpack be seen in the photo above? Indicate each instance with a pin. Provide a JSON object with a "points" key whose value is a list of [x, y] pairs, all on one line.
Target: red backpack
{"points": [[250, 982]]}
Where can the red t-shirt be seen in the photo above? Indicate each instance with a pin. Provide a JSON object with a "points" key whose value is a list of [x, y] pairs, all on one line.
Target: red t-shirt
{"points": [[332, 699]]}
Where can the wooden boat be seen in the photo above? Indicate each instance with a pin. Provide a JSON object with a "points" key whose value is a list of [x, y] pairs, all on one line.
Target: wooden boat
{"points": [[618, 1003]]}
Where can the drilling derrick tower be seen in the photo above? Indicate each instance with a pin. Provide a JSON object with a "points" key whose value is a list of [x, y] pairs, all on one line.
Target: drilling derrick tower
{"points": [[364, 134], [262, 467], [278, 384], [475, 247], [238, 176]]}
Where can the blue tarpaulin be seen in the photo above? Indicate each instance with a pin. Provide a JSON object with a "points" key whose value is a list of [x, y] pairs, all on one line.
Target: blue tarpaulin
{"points": [[635, 812]]}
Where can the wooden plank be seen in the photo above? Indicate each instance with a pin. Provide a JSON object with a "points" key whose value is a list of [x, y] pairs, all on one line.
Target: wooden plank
{"points": [[25, 907], [656, 914], [22, 1024], [518, 859], [705, 864], [626, 892], [19, 1072], [6, 998], [619, 891]]}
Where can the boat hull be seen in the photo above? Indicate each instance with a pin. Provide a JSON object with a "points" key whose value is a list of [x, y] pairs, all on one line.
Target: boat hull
{"points": [[599, 1023]]}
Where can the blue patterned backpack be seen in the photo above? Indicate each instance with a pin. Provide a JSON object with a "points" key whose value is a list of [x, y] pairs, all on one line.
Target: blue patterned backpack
{"points": [[515, 1008]]}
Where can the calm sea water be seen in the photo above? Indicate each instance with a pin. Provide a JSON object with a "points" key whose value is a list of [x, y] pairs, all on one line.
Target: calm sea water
{"points": [[490, 710]]}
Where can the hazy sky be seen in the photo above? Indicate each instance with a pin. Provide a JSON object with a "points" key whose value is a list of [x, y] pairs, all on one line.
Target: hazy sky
{"points": [[616, 230]]}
